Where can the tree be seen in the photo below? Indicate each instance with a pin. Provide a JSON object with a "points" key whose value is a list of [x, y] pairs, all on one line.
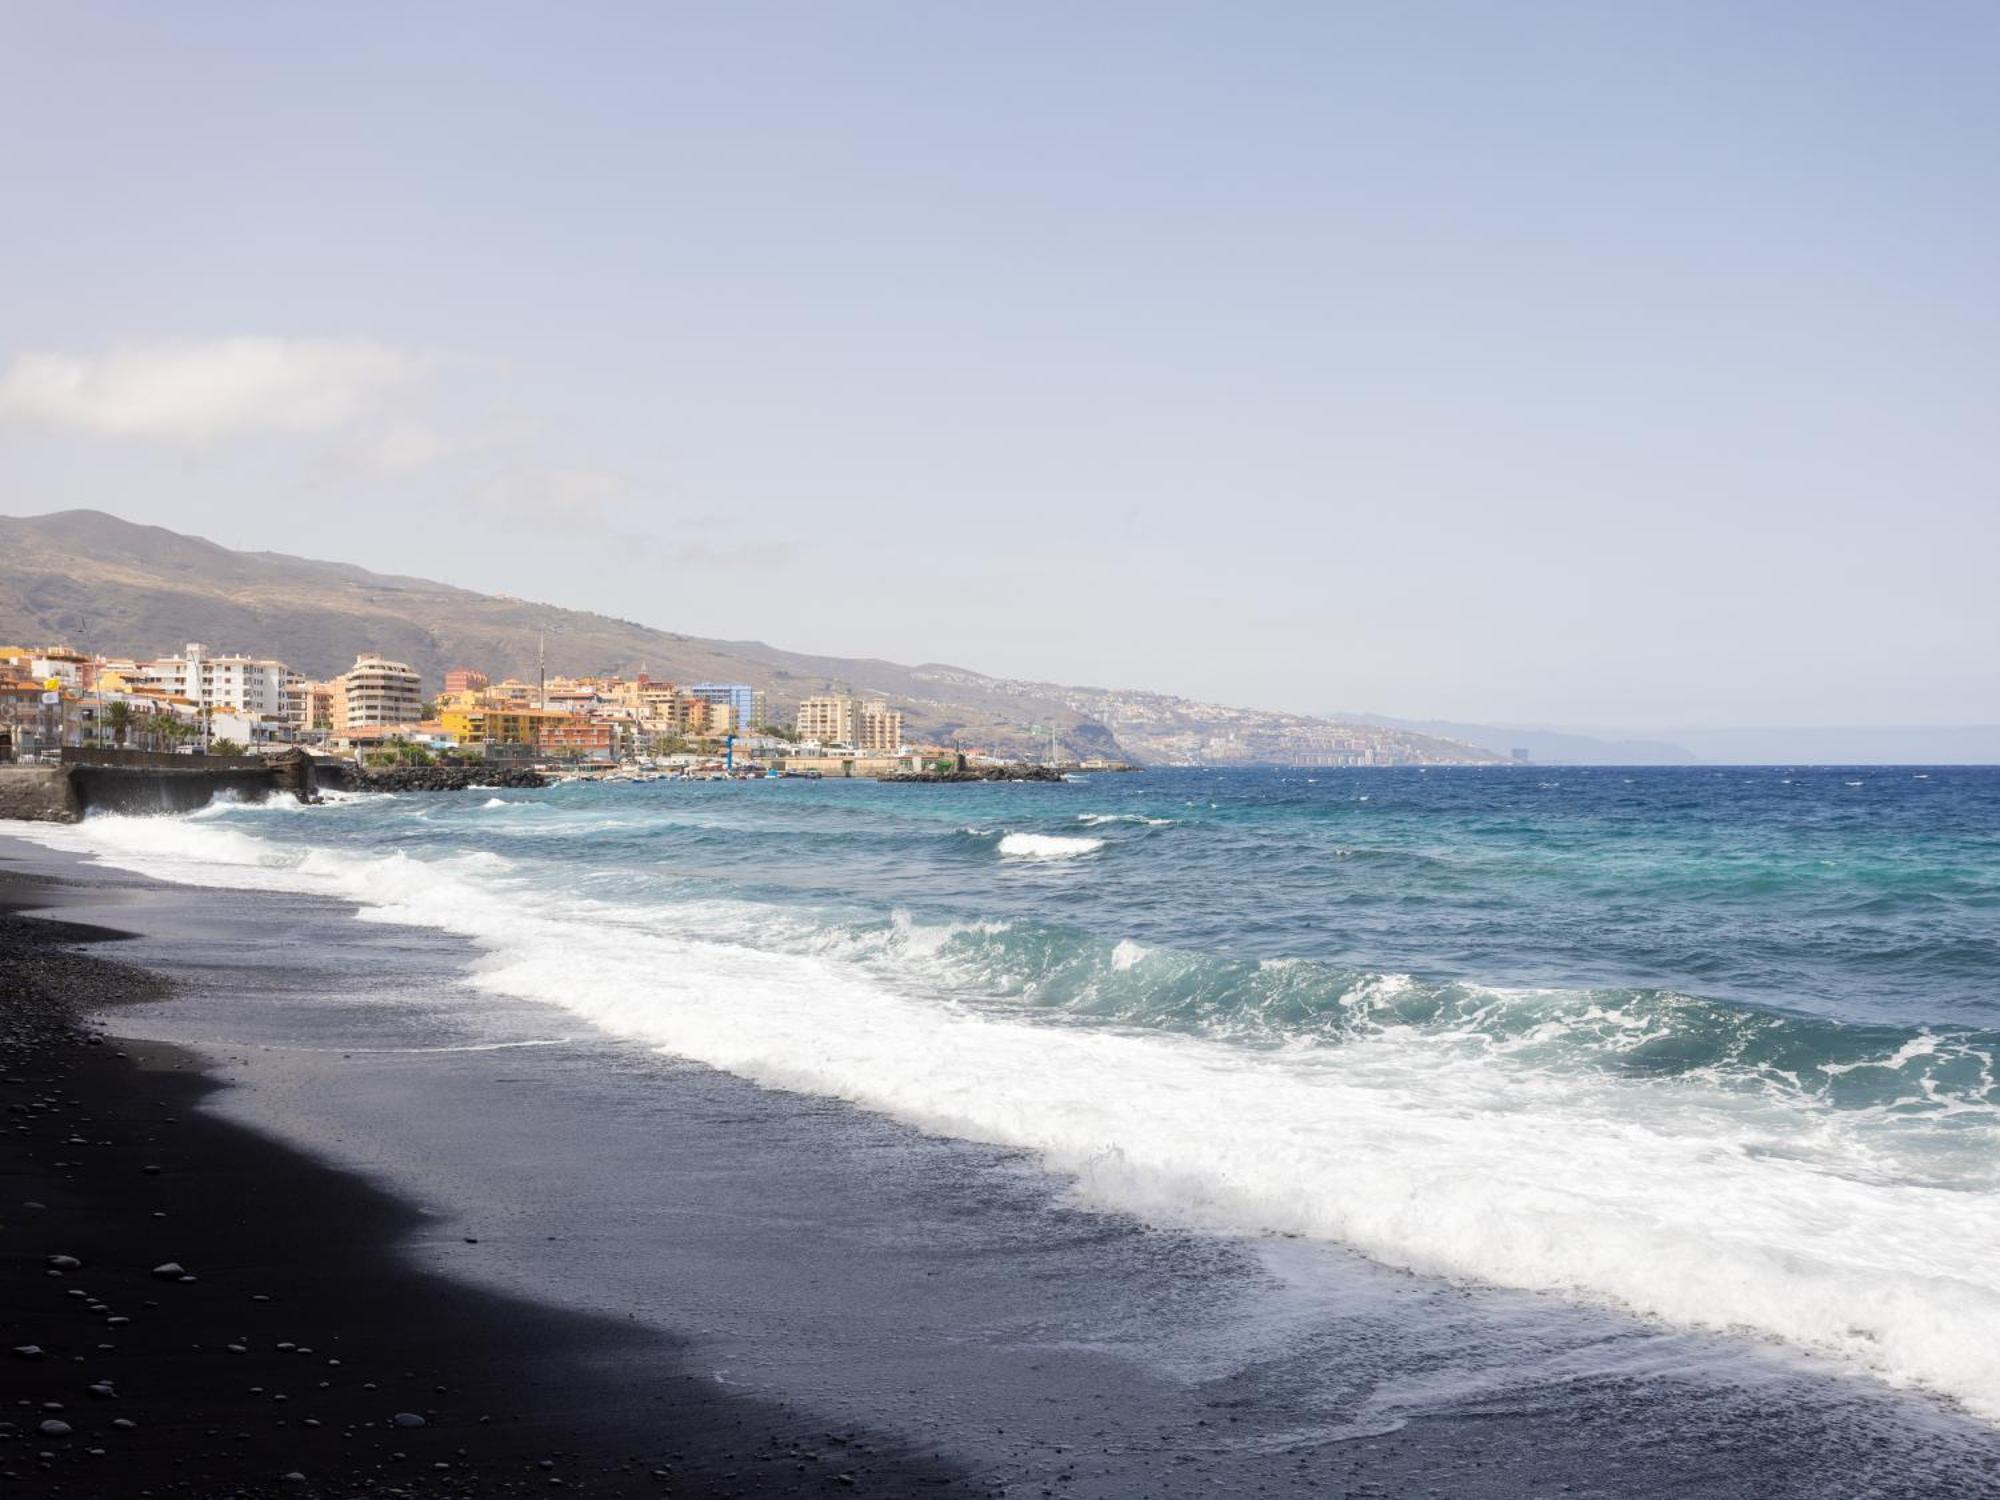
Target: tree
{"points": [[167, 731], [118, 717], [227, 747]]}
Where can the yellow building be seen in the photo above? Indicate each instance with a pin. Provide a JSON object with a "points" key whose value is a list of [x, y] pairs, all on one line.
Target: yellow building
{"points": [[500, 724], [465, 724]]}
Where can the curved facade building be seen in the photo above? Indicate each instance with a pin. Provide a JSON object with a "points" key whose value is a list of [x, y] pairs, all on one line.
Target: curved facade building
{"points": [[376, 690]]}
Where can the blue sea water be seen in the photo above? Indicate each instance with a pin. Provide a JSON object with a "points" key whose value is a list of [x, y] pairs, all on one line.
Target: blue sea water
{"points": [[1716, 1046]]}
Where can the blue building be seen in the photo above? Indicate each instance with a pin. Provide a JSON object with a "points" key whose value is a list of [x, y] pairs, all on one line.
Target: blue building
{"points": [[746, 701]]}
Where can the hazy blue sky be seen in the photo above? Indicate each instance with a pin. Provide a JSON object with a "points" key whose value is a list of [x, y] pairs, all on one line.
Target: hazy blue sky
{"points": [[1620, 364]]}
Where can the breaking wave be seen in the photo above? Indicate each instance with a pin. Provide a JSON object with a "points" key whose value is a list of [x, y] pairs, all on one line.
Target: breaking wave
{"points": [[1046, 846], [1712, 1165]]}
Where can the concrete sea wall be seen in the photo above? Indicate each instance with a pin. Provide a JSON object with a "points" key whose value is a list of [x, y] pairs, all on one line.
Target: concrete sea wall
{"points": [[135, 789], [39, 794], [133, 781]]}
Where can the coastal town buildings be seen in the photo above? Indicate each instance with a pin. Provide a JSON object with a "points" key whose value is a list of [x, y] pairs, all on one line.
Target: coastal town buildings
{"points": [[827, 719], [573, 737], [72, 668], [198, 698], [375, 691], [744, 702], [503, 724], [24, 717], [243, 685], [880, 728], [841, 719], [308, 704]]}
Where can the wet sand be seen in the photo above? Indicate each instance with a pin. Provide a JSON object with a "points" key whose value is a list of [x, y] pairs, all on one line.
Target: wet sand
{"points": [[298, 1352]]}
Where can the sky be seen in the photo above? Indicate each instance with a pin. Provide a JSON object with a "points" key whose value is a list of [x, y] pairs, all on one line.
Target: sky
{"points": [[1609, 364]]}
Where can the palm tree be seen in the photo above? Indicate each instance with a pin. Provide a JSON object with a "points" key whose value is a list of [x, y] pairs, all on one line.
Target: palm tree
{"points": [[118, 716], [168, 731]]}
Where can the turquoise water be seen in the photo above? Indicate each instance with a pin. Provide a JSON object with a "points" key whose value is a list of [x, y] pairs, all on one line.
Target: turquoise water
{"points": [[1714, 1046], [1775, 920]]}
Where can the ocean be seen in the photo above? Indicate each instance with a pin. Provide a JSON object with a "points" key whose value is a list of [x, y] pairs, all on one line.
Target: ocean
{"points": [[1711, 1049]]}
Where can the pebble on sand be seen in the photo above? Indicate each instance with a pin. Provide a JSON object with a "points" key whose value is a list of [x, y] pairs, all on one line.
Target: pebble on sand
{"points": [[171, 1270], [407, 1419]]}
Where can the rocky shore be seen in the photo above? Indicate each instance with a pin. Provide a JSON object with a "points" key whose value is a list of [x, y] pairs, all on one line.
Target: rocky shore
{"points": [[982, 773], [431, 778]]}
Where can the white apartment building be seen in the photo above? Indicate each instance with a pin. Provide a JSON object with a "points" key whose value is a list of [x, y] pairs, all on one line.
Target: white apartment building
{"points": [[840, 719], [880, 728], [826, 720], [376, 690], [247, 685]]}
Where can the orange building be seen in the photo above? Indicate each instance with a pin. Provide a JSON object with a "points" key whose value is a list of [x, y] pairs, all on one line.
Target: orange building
{"points": [[574, 736]]}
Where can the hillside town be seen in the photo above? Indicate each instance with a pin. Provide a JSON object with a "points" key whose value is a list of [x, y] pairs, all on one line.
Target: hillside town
{"points": [[381, 712]]}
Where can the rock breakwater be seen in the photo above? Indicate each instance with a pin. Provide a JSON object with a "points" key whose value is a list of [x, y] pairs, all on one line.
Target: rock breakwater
{"points": [[982, 773], [434, 778]]}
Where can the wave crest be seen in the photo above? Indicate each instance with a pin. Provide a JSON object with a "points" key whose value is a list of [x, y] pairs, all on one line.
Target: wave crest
{"points": [[1047, 846]]}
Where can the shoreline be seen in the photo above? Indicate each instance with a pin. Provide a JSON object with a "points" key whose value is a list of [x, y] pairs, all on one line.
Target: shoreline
{"points": [[282, 1365], [754, 1281]]}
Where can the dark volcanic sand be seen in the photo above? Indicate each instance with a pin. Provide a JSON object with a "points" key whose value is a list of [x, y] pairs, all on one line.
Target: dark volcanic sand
{"points": [[281, 1367]]}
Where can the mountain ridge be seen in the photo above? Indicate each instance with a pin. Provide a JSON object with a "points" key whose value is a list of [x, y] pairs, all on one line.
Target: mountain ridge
{"points": [[106, 584]]}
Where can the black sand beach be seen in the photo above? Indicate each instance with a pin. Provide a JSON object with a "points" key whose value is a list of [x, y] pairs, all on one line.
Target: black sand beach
{"points": [[296, 1353], [590, 1268]]}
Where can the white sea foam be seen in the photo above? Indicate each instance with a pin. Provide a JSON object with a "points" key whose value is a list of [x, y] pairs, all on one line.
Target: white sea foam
{"points": [[1047, 846], [1098, 820], [1675, 1198], [227, 805]]}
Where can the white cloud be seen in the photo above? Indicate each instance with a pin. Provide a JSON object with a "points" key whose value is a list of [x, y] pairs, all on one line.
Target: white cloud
{"points": [[198, 391], [405, 447]]}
